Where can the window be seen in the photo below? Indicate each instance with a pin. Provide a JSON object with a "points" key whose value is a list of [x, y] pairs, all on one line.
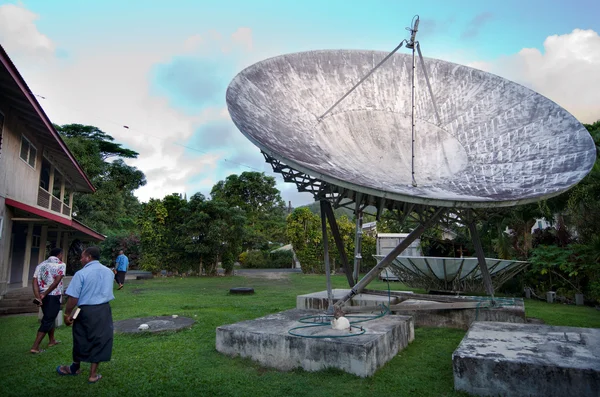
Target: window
{"points": [[540, 225], [45, 174], [57, 186], [35, 241], [28, 151]]}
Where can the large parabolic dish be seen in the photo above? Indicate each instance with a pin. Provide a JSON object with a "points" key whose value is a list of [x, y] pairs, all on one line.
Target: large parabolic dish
{"points": [[498, 143]]}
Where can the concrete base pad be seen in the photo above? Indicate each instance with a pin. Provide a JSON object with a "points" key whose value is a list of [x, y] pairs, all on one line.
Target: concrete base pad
{"points": [[318, 300], [500, 359], [267, 341], [155, 324], [463, 318], [459, 318]]}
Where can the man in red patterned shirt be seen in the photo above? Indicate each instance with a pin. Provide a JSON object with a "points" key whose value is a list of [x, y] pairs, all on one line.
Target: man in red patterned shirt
{"points": [[48, 288]]}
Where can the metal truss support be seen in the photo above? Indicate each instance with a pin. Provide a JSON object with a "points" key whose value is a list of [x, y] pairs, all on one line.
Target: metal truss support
{"points": [[404, 244], [485, 274], [358, 239], [335, 231], [326, 256]]}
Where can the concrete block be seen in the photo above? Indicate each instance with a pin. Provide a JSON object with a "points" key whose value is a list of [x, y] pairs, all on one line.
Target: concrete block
{"points": [[460, 318], [550, 296], [501, 359], [463, 318], [318, 300], [267, 341], [579, 299]]}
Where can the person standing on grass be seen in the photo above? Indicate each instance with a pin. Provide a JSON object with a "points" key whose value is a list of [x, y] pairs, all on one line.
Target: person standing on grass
{"points": [[47, 289], [91, 289], [122, 264]]}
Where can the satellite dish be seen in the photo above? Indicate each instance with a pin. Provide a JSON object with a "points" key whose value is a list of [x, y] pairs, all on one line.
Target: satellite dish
{"points": [[497, 143]]}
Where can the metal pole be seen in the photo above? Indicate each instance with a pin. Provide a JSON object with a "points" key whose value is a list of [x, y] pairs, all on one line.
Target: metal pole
{"points": [[326, 256], [358, 238], [338, 240], [357, 289], [485, 274], [414, 182], [437, 115], [361, 80]]}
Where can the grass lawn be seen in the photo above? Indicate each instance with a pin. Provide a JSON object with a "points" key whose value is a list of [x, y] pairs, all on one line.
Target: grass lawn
{"points": [[186, 362]]}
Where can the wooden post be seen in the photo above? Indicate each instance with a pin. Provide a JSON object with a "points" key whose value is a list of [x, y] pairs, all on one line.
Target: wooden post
{"points": [[29, 240], [51, 185], [62, 191], [43, 243], [65, 246]]}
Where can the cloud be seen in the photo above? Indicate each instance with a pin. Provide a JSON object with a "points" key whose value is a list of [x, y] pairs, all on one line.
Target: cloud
{"points": [[434, 27], [475, 25], [567, 71], [19, 34], [243, 38], [191, 83]]}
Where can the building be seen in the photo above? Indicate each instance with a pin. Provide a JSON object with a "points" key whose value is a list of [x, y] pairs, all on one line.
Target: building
{"points": [[38, 177]]}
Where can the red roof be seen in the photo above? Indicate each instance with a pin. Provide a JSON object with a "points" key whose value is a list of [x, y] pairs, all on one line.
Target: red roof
{"points": [[56, 218]]}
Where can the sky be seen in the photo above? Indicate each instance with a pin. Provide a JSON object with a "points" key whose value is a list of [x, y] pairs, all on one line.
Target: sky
{"points": [[162, 68]]}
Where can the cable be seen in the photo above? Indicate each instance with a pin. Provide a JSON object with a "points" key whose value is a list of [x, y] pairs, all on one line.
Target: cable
{"points": [[324, 320], [140, 133]]}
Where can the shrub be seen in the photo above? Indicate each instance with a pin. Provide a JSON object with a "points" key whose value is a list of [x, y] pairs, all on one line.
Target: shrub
{"points": [[255, 260], [281, 260], [242, 258], [227, 262]]}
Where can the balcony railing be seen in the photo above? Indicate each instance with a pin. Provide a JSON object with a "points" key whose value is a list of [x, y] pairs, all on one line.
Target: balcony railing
{"points": [[46, 200], [43, 198]]}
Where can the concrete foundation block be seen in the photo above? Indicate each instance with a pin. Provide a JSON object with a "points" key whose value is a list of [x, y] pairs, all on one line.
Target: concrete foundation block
{"points": [[318, 300], [550, 296], [500, 359], [267, 341], [463, 318], [459, 318]]}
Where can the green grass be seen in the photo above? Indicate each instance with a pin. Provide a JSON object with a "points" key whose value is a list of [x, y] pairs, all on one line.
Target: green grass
{"points": [[186, 362]]}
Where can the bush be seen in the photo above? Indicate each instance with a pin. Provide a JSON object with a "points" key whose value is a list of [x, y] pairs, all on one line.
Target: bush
{"points": [[242, 258], [281, 260], [227, 262], [255, 260]]}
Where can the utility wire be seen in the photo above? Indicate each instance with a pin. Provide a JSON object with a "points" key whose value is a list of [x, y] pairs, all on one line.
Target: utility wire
{"points": [[140, 133]]}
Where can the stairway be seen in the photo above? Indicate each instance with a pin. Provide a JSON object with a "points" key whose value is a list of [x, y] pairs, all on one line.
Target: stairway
{"points": [[18, 301]]}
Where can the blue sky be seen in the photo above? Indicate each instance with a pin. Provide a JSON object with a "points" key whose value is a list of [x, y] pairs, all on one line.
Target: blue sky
{"points": [[162, 68]]}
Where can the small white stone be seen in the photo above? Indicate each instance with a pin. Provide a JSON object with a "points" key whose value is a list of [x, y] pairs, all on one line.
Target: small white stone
{"points": [[143, 327], [341, 323], [174, 316]]}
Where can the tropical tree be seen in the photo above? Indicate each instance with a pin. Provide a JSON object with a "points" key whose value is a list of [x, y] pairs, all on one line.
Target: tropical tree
{"points": [[112, 208], [257, 196], [213, 232]]}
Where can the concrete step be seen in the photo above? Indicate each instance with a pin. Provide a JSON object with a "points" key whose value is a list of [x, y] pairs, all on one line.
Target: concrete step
{"points": [[17, 310]]}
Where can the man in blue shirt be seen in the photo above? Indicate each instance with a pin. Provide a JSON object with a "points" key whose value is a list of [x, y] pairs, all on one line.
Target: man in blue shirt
{"points": [[91, 290], [122, 263]]}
